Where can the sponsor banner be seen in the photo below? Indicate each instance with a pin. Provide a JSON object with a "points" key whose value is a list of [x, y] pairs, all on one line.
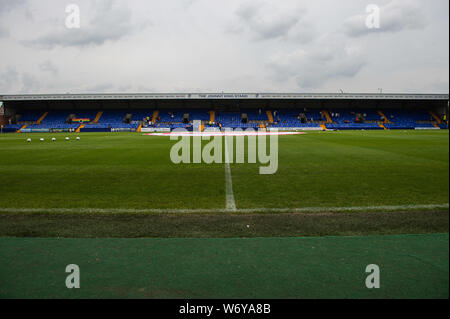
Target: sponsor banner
{"points": [[427, 128], [122, 129], [295, 129], [154, 129], [61, 130], [93, 129], [35, 130]]}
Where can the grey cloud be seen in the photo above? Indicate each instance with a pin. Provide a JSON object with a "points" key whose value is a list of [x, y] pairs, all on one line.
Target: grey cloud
{"points": [[104, 87], [124, 88], [29, 83], [8, 5], [8, 79], [144, 89], [110, 22], [186, 4], [4, 32], [328, 58], [439, 86], [267, 23], [254, 45], [13, 80], [112, 88], [5, 7], [396, 16], [48, 66]]}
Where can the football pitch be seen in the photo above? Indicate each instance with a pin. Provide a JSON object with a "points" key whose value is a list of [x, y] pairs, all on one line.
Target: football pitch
{"points": [[383, 195], [316, 170]]}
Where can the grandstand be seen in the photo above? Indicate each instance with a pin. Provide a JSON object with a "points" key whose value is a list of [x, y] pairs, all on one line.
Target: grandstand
{"points": [[105, 113]]}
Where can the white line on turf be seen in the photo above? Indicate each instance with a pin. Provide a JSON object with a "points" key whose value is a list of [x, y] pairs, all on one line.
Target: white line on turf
{"points": [[221, 210], [239, 133], [230, 203]]}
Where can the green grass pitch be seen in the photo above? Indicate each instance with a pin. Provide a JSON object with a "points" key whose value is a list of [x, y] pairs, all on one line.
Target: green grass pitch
{"points": [[382, 195], [326, 169]]}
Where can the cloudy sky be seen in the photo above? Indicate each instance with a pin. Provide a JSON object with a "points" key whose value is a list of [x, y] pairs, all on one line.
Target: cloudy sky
{"points": [[232, 46]]}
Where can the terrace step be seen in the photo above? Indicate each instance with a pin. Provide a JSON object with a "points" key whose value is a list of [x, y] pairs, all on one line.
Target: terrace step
{"points": [[269, 116], [323, 127], [327, 115], [386, 120], [139, 128], [438, 120], [212, 116], [79, 128], [382, 126], [24, 126], [98, 116], [155, 116], [42, 118]]}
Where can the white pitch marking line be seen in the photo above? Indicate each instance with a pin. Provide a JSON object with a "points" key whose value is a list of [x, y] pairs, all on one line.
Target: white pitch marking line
{"points": [[221, 210], [240, 133], [230, 203]]}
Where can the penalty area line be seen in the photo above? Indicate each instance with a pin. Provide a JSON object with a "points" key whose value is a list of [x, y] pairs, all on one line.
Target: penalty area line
{"points": [[226, 210]]}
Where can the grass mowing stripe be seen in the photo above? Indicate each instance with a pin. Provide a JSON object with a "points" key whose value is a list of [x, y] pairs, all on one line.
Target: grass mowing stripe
{"points": [[211, 210], [412, 266]]}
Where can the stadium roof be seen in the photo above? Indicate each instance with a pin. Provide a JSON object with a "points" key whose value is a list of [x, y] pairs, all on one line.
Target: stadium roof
{"points": [[225, 96]]}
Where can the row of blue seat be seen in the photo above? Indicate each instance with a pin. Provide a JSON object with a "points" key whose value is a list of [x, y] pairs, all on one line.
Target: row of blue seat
{"points": [[342, 118]]}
